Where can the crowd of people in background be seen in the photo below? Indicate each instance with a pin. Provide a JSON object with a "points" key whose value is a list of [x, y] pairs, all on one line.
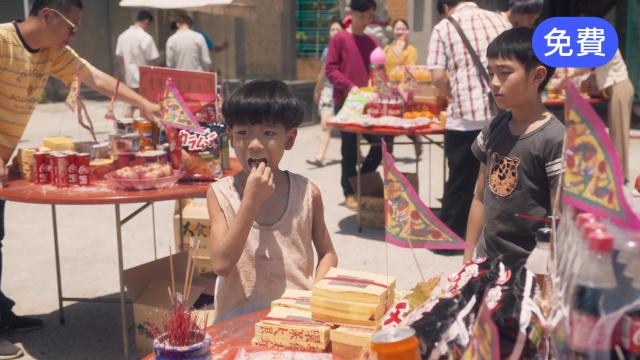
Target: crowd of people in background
{"points": [[187, 48], [457, 77], [462, 46]]}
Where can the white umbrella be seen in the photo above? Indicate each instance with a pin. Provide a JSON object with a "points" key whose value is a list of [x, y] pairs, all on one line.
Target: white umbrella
{"points": [[215, 7], [227, 8], [172, 4]]}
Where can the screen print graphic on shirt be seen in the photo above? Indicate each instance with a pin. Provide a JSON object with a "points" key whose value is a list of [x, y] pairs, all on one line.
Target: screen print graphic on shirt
{"points": [[503, 177]]}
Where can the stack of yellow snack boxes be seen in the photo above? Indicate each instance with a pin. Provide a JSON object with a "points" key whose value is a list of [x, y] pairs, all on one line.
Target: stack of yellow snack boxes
{"points": [[356, 302], [342, 310], [352, 298], [289, 325]]}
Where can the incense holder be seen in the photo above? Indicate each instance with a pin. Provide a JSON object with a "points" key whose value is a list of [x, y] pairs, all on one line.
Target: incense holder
{"points": [[199, 351]]}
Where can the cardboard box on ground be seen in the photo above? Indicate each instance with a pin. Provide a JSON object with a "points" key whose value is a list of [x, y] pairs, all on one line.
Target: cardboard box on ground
{"points": [[372, 196], [195, 227], [147, 286]]}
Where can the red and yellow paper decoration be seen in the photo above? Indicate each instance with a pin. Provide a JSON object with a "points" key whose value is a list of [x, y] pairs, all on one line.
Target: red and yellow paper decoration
{"points": [[175, 112], [593, 175], [409, 222]]}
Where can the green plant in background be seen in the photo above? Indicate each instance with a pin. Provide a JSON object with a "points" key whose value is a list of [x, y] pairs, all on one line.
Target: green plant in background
{"points": [[301, 36]]}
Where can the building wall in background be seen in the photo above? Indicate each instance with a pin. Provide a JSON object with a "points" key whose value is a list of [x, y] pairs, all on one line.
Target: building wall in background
{"points": [[11, 10], [263, 41], [422, 18], [398, 9]]}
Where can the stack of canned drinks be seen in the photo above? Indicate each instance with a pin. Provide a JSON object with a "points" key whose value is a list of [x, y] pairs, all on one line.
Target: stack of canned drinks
{"points": [[62, 168]]}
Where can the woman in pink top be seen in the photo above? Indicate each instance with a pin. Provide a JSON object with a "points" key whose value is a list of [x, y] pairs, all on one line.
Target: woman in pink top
{"points": [[265, 222]]}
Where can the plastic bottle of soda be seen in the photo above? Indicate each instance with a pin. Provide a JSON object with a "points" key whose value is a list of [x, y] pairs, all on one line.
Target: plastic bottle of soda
{"points": [[574, 242], [590, 330], [629, 257]]}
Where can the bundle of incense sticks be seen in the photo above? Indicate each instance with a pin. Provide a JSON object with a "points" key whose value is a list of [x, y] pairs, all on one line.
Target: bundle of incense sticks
{"points": [[181, 326]]}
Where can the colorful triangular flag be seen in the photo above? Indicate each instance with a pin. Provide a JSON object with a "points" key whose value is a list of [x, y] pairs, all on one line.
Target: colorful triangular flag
{"points": [[409, 223], [485, 338], [175, 112], [110, 114], [592, 179], [73, 98]]}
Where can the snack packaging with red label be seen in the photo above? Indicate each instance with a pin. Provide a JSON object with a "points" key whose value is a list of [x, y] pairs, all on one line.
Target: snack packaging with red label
{"points": [[197, 154]]}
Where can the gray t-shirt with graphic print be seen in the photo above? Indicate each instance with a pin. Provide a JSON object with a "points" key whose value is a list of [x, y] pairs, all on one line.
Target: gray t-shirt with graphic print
{"points": [[521, 172]]}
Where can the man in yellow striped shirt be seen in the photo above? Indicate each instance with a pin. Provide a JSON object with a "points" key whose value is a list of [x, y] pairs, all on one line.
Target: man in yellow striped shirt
{"points": [[30, 52]]}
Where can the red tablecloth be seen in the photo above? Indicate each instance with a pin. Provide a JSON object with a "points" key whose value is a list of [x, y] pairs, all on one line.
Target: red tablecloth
{"points": [[560, 102], [101, 193], [430, 129], [228, 337]]}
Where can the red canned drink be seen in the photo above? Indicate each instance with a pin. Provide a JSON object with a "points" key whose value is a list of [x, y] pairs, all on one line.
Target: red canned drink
{"points": [[84, 169], [384, 107], [42, 173], [394, 108], [61, 169], [53, 170], [374, 109], [72, 169]]}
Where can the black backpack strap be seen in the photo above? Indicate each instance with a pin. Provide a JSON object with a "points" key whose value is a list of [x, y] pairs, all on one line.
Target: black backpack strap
{"points": [[482, 70], [484, 75]]}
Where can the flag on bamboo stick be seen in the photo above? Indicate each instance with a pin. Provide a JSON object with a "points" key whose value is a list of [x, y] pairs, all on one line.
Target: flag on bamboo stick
{"points": [[175, 111], [409, 223], [485, 338], [73, 98], [592, 179]]}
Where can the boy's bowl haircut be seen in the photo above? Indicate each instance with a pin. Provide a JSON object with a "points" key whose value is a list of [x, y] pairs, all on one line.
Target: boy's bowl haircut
{"points": [[516, 44], [263, 102]]}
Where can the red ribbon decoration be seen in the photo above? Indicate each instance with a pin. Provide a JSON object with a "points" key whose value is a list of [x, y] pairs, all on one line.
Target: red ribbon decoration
{"points": [[356, 281]]}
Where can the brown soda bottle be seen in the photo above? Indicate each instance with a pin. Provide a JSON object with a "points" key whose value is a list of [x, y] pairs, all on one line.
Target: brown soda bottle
{"points": [[590, 332]]}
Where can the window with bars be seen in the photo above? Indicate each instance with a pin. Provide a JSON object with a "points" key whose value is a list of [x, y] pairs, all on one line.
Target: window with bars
{"points": [[313, 18], [632, 52]]}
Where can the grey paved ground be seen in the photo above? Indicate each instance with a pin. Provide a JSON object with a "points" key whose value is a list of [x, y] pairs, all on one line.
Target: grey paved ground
{"points": [[88, 245]]}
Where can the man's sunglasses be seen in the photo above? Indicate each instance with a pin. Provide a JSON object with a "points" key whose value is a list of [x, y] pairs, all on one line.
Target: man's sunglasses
{"points": [[73, 26]]}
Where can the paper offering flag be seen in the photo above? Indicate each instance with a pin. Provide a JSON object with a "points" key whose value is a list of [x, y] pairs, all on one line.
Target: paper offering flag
{"points": [[485, 338], [73, 98], [592, 179], [408, 221], [110, 114], [175, 111]]}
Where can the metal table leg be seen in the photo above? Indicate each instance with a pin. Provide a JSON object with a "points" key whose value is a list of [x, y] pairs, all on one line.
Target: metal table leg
{"points": [[153, 221], [181, 223], [56, 249], [430, 173], [123, 314], [119, 223], [358, 178]]}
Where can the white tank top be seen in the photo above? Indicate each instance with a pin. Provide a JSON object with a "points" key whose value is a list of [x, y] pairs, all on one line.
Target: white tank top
{"points": [[275, 257]]}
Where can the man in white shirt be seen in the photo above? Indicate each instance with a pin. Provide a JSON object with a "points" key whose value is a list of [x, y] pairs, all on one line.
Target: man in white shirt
{"points": [[186, 49], [469, 109], [135, 48]]}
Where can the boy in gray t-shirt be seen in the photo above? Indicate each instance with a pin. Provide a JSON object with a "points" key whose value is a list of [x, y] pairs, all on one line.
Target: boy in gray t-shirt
{"points": [[520, 154]]}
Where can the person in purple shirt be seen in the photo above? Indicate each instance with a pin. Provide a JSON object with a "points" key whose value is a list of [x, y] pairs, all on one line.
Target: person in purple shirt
{"points": [[348, 69]]}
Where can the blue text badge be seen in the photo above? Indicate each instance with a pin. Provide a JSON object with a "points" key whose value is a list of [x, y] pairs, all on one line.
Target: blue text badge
{"points": [[578, 42]]}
